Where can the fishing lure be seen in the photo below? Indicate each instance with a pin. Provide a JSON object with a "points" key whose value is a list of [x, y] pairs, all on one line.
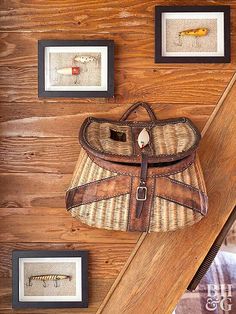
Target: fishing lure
{"points": [[69, 71], [45, 278], [75, 71], [195, 33], [85, 59]]}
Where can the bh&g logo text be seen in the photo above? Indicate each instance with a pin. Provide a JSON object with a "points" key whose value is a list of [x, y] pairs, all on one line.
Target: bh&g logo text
{"points": [[219, 296]]}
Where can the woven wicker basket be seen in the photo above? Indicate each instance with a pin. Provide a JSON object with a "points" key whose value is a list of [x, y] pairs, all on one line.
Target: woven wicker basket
{"points": [[119, 186]]}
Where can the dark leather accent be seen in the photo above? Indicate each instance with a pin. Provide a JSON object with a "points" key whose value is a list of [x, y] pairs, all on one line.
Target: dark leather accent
{"points": [[182, 194], [141, 194], [135, 170], [142, 222], [135, 106], [144, 167], [137, 157], [99, 190]]}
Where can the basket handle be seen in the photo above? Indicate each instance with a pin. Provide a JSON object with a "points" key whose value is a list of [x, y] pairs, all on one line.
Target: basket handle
{"points": [[135, 106]]}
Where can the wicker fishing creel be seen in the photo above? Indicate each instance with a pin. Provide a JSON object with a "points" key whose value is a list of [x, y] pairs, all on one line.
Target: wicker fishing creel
{"points": [[119, 185]]}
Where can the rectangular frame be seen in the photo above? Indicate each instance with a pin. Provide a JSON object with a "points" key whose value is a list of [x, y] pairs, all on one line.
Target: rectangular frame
{"points": [[159, 58], [42, 44], [16, 255]]}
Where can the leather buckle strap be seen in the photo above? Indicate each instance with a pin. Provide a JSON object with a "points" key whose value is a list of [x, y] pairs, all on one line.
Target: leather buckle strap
{"points": [[141, 193]]}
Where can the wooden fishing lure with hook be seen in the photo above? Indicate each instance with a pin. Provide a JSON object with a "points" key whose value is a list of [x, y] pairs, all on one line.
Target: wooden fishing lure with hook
{"points": [[75, 71], [45, 278], [196, 32], [69, 71]]}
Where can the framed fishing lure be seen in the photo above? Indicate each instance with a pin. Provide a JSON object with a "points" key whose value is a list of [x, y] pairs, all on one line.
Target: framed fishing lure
{"points": [[192, 34], [76, 68], [49, 279]]}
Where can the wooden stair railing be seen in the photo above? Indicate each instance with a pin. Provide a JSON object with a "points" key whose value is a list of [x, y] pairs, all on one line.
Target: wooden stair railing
{"points": [[163, 264]]}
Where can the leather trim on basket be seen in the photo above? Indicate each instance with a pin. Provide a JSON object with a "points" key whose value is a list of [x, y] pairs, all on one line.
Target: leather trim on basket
{"points": [[182, 194], [137, 158], [98, 190], [135, 170]]}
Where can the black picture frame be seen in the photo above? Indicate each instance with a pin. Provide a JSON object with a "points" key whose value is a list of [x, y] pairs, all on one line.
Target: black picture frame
{"points": [[17, 254], [159, 58], [42, 44]]}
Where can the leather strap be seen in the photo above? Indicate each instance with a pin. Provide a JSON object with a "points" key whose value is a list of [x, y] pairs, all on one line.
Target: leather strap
{"points": [[135, 106], [141, 194], [98, 190], [182, 194], [142, 223]]}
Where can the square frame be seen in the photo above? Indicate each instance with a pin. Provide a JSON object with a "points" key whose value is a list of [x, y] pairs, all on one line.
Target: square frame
{"points": [[159, 58], [17, 255], [42, 44]]}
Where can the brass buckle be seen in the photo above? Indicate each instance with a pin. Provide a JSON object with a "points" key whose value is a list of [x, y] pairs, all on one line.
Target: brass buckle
{"points": [[143, 188]]}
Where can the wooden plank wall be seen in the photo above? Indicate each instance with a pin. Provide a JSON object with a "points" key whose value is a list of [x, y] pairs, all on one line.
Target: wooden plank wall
{"points": [[39, 147]]}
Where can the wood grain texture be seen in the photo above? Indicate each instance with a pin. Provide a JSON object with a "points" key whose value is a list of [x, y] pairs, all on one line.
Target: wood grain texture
{"points": [[199, 112], [105, 259], [96, 17], [151, 267], [39, 120], [54, 225], [219, 104], [20, 84], [33, 190], [38, 144], [139, 54], [41, 155]]}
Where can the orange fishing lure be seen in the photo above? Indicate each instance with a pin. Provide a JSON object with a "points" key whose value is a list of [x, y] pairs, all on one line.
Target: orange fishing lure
{"points": [[196, 32]]}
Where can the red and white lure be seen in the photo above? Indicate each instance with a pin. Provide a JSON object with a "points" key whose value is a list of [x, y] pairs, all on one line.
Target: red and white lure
{"points": [[74, 71], [69, 71]]}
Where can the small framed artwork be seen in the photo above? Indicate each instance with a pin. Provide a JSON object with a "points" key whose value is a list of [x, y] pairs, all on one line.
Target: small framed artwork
{"points": [[75, 68], [192, 34], [49, 279]]}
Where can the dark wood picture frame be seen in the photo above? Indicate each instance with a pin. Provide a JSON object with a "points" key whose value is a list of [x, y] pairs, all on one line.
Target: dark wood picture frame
{"points": [[16, 255], [42, 44], [159, 58]]}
